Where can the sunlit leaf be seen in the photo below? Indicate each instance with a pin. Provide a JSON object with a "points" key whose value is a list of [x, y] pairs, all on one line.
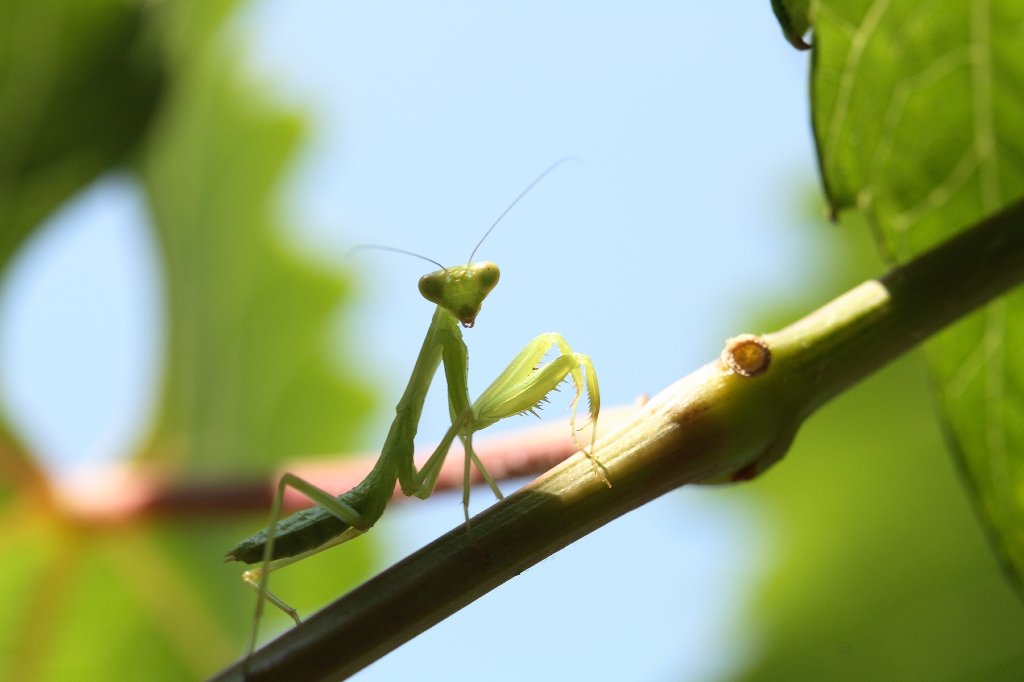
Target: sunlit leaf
{"points": [[792, 16], [919, 118]]}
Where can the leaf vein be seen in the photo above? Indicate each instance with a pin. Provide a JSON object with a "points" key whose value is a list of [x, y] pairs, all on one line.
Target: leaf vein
{"points": [[981, 91], [858, 43]]}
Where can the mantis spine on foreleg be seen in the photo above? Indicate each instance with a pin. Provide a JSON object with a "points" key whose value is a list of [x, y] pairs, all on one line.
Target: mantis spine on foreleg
{"points": [[459, 292]]}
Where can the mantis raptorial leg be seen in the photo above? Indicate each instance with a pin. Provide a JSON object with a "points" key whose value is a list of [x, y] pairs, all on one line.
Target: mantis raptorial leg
{"points": [[458, 292]]}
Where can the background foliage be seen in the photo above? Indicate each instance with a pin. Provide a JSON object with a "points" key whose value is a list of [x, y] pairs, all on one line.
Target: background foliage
{"points": [[155, 91]]}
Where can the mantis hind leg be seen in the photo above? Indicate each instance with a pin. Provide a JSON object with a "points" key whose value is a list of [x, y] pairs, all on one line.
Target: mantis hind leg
{"points": [[471, 459], [426, 478], [258, 578]]}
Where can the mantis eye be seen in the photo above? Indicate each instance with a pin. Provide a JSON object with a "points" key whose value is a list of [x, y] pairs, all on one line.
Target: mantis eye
{"points": [[432, 287], [487, 274]]}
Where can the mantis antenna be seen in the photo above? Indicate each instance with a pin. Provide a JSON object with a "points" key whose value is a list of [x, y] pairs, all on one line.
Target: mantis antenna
{"points": [[522, 194], [382, 247]]}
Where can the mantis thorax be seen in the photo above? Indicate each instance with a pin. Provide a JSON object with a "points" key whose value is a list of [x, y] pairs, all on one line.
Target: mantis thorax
{"points": [[461, 289]]}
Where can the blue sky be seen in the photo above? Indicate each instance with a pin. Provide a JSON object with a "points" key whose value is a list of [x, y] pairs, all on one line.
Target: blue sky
{"points": [[427, 120]]}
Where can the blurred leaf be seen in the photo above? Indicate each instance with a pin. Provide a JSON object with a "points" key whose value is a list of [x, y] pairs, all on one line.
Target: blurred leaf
{"points": [[919, 122], [877, 567], [881, 570], [252, 371], [250, 376], [77, 89], [79, 81]]}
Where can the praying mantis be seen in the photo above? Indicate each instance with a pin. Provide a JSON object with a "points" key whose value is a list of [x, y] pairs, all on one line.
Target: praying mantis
{"points": [[458, 292]]}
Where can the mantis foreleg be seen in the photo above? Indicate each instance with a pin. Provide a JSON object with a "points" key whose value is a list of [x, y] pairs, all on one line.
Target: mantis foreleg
{"points": [[521, 387]]}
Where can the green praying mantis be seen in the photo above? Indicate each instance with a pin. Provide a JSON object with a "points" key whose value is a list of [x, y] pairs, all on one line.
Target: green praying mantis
{"points": [[458, 292]]}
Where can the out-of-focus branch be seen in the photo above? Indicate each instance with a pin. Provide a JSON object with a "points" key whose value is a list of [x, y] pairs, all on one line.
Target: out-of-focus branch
{"points": [[131, 491]]}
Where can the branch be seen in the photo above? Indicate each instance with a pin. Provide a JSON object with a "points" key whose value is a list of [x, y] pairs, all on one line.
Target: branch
{"points": [[729, 420]]}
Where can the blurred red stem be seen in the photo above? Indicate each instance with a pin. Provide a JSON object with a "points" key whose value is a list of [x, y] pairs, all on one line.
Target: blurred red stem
{"points": [[131, 492]]}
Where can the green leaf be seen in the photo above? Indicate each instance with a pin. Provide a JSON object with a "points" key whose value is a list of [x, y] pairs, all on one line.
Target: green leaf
{"points": [[917, 114], [981, 389], [794, 19], [919, 121], [79, 82]]}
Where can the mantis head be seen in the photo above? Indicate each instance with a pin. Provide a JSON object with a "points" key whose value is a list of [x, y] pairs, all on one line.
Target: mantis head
{"points": [[461, 290]]}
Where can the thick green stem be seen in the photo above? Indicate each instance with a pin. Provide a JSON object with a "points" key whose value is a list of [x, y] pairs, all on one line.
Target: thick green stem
{"points": [[728, 420]]}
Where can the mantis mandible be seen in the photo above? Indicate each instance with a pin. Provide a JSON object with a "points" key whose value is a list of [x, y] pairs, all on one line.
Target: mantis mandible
{"points": [[458, 292]]}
